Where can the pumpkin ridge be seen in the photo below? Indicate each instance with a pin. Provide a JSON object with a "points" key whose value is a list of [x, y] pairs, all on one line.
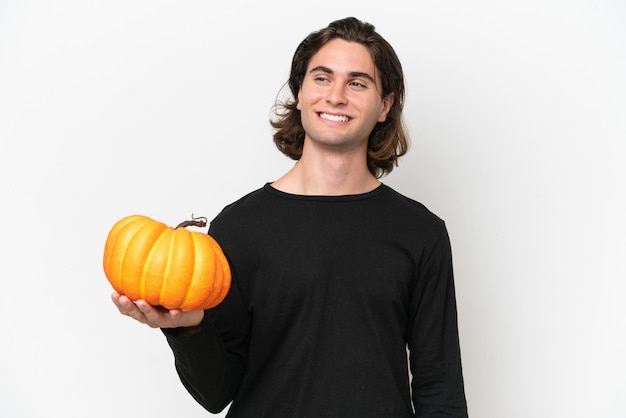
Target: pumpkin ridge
{"points": [[113, 264], [175, 276], [128, 280], [220, 274], [110, 244], [209, 302], [123, 240], [147, 264], [193, 280], [166, 270]]}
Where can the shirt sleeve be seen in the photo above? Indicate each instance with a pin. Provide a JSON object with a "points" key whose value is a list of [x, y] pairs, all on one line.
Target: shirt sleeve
{"points": [[433, 340], [211, 363]]}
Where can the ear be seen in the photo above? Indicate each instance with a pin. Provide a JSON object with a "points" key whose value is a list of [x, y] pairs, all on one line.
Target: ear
{"points": [[298, 102], [386, 107]]}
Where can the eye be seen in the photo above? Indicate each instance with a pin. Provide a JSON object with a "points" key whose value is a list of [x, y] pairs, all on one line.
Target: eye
{"points": [[357, 84]]}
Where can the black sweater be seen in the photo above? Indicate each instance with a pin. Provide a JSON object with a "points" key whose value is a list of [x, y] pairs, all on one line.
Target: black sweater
{"points": [[327, 294]]}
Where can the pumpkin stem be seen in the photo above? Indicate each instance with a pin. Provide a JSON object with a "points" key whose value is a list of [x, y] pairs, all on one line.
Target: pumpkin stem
{"points": [[200, 222]]}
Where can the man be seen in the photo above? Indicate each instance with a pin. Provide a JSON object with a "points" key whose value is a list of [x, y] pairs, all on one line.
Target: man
{"points": [[335, 274]]}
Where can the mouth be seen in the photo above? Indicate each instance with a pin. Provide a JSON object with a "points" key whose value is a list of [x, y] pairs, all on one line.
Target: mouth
{"points": [[333, 118]]}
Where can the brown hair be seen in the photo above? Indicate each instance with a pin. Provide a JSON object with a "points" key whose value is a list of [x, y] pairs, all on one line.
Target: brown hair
{"points": [[389, 139]]}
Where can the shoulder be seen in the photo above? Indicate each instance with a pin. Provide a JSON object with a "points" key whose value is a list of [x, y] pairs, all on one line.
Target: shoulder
{"points": [[409, 206], [244, 211], [412, 219], [241, 205], [246, 200]]}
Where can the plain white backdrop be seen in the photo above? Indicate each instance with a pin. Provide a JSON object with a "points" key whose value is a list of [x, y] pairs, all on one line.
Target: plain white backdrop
{"points": [[517, 113]]}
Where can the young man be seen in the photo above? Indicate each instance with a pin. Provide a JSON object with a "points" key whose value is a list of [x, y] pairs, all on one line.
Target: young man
{"points": [[335, 274]]}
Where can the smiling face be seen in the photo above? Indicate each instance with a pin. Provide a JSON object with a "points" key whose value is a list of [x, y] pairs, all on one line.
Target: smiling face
{"points": [[340, 100]]}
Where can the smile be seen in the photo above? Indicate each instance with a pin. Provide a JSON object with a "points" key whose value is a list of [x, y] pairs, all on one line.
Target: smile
{"points": [[334, 118]]}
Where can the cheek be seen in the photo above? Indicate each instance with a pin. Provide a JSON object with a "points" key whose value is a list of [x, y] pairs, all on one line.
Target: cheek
{"points": [[304, 120]]}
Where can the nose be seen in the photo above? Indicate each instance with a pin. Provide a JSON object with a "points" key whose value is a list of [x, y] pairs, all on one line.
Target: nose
{"points": [[337, 94]]}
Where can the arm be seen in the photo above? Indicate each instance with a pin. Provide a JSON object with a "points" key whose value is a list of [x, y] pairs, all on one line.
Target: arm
{"points": [[209, 362], [435, 359]]}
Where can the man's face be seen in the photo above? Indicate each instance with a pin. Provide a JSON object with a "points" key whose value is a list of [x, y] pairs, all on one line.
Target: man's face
{"points": [[340, 99]]}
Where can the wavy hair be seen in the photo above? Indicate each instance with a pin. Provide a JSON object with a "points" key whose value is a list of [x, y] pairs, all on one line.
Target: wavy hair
{"points": [[389, 139]]}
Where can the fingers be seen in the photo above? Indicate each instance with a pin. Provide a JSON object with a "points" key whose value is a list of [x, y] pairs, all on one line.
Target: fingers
{"points": [[152, 316], [124, 304], [136, 310], [156, 317]]}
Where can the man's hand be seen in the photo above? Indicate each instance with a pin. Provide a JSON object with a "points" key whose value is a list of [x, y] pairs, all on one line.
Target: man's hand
{"points": [[156, 317]]}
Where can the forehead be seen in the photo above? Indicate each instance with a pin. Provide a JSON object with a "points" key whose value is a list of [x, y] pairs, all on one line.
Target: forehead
{"points": [[344, 57]]}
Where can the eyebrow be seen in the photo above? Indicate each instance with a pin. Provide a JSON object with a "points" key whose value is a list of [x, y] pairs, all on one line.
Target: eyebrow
{"points": [[352, 74]]}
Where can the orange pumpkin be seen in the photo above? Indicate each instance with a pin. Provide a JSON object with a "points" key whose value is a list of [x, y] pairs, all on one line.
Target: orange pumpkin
{"points": [[170, 267]]}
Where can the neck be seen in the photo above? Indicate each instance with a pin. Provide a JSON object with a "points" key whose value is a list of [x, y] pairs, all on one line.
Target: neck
{"points": [[328, 175]]}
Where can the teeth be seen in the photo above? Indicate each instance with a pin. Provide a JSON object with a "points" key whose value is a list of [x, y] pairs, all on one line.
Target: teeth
{"points": [[335, 118]]}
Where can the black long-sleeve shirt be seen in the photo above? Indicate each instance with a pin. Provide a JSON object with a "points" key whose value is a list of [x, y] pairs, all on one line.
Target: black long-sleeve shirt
{"points": [[328, 293]]}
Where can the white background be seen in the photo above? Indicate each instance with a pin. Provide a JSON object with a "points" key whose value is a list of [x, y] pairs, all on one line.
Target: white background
{"points": [[517, 113]]}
